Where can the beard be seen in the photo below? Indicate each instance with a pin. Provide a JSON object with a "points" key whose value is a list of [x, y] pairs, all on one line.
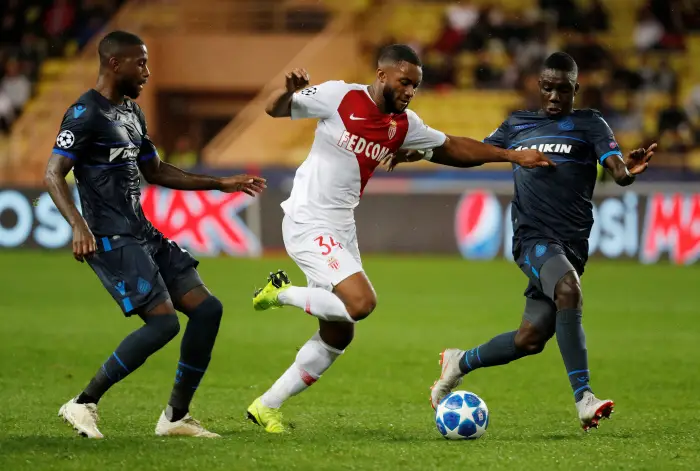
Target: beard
{"points": [[130, 89], [390, 100]]}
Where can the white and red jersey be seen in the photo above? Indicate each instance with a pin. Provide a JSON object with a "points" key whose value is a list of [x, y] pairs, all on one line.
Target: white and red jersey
{"points": [[352, 137]]}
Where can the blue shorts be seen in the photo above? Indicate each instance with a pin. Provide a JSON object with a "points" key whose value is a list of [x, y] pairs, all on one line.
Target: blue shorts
{"points": [[531, 254], [141, 274]]}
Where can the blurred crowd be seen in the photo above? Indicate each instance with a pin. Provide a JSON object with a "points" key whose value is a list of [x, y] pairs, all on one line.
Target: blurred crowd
{"points": [[32, 31], [487, 47], [482, 47]]}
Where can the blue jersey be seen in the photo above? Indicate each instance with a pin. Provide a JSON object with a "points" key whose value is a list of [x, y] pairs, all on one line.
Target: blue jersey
{"points": [[556, 202], [107, 143]]}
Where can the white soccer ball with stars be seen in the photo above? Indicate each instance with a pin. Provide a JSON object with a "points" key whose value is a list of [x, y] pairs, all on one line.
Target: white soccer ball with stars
{"points": [[65, 139], [462, 415]]}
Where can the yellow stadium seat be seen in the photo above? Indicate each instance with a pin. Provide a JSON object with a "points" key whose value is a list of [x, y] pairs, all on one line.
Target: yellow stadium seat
{"points": [[465, 78], [52, 67], [403, 25], [70, 49], [466, 60], [693, 160]]}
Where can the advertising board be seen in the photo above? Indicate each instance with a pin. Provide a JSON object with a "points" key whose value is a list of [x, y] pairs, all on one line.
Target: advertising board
{"points": [[476, 224], [633, 226], [206, 223]]}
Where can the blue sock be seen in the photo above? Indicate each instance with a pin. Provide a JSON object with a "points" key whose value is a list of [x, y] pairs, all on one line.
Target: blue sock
{"points": [[572, 345], [497, 351], [195, 353]]}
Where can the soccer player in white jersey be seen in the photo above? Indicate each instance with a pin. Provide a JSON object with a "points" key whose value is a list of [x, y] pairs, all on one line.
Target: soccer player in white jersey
{"points": [[359, 127]]}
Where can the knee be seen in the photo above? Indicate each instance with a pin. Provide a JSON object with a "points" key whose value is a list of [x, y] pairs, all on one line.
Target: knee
{"points": [[166, 326], [567, 293], [213, 309], [362, 306], [210, 311], [531, 340], [338, 335]]}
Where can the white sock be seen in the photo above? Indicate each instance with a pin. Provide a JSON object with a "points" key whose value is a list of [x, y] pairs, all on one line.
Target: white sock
{"points": [[313, 359], [317, 302]]}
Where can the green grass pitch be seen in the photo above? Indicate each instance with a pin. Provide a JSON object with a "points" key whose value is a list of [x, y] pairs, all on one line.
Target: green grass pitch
{"points": [[371, 410]]}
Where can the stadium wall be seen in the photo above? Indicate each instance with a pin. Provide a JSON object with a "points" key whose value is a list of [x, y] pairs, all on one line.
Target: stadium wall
{"points": [[647, 225], [219, 62]]}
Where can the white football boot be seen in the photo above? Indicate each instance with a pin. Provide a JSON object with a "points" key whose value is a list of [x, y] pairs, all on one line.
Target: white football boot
{"points": [[82, 417], [450, 378], [591, 410], [187, 426]]}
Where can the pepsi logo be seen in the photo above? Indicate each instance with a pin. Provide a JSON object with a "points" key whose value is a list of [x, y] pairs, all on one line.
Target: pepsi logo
{"points": [[478, 225]]}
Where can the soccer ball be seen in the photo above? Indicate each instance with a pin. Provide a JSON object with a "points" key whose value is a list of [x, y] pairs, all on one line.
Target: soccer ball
{"points": [[65, 139], [462, 415]]}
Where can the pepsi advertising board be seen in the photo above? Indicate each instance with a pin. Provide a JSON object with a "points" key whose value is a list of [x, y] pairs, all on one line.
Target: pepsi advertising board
{"points": [[205, 223], [633, 226]]}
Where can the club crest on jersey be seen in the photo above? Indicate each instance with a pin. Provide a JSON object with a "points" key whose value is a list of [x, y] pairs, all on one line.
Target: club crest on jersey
{"points": [[143, 286], [392, 129], [333, 263], [540, 250], [566, 124]]}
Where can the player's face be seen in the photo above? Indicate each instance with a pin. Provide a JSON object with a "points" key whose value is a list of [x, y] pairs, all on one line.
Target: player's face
{"points": [[557, 92], [400, 82], [132, 71]]}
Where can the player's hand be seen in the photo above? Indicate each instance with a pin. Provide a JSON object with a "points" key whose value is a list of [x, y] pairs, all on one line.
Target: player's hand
{"points": [[84, 245], [638, 159], [402, 156], [297, 79], [248, 184], [530, 158]]}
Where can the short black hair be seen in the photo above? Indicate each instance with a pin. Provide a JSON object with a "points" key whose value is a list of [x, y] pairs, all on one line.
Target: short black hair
{"points": [[396, 53], [561, 61], [113, 42]]}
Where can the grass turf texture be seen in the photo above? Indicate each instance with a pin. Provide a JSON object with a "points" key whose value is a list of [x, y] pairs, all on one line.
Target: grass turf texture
{"points": [[370, 410]]}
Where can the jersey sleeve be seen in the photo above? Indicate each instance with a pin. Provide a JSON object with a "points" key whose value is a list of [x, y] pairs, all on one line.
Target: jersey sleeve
{"points": [[499, 137], [148, 150], [420, 136], [75, 135], [318, 101], [602, 139]]}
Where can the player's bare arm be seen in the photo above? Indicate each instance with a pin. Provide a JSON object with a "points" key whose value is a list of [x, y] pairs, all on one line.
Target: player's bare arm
{"points": [[83, 241], [280, 102], [164, 174], [625, 172], [464, 152]]}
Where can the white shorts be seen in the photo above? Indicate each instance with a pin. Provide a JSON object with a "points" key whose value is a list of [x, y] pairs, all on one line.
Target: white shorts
{"points": [[326, 256]]}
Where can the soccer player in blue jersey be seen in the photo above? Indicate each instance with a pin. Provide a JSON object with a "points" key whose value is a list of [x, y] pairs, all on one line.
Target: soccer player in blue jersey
{"points": [[552, 219], [104, 139]]}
